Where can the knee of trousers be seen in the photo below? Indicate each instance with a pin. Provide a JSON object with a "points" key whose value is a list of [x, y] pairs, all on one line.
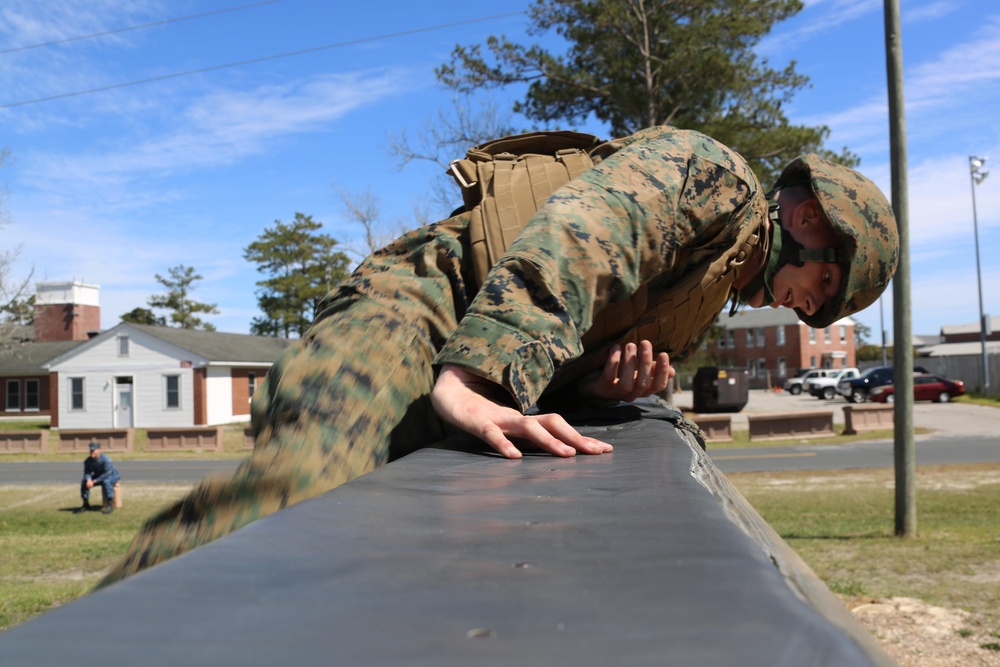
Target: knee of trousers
{"points": [[329, 407]]}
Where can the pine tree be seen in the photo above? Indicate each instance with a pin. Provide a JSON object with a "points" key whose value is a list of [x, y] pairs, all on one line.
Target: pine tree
{"points": [[302, 266]]}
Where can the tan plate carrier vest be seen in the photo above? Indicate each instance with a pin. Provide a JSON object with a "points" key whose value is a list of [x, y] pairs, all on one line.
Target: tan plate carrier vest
{"points": [[504, 182]]}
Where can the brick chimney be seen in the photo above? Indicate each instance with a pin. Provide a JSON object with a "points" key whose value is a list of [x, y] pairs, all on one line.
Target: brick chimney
{"points": [[68, 310]]}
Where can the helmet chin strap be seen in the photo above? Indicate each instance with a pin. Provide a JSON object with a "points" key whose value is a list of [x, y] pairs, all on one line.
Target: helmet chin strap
{"points": [[784, 249]]}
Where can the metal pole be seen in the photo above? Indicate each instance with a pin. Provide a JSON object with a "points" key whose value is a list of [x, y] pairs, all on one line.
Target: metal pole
{"points": [[973, 160], [881, 321], [903, 450]]}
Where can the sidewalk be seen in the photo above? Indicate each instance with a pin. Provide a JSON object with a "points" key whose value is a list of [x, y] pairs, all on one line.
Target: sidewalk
{"points": [[947, 418]]}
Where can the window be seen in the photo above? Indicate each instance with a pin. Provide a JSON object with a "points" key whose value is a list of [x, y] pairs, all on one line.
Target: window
{"points": [[76, 394], [762, 366], [812, 362], [172, 391], [31, 395], [749, 337], [781, 335], [13, 396], [812, 335], [826, 334], [782, 367], [760, 337], [843, 334], [252, 382], [122, 346], [752, 367]]}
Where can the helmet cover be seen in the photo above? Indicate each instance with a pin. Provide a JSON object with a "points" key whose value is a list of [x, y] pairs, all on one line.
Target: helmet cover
{"points": [[862, 219]]}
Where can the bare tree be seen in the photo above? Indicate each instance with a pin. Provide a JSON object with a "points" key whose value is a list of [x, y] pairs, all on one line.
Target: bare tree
{"points": [[365, 208], [14, 292], [448, 136]]}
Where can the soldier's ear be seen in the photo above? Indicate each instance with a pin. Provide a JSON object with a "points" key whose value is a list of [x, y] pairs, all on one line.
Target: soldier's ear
{"points": [[807, 214]]}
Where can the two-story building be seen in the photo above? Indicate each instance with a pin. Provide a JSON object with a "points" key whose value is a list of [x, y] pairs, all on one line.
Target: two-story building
{"points": [[773, 344]]}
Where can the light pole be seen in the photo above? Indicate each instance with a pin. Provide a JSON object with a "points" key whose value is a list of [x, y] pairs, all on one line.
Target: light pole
{"points": [[978, 175]]}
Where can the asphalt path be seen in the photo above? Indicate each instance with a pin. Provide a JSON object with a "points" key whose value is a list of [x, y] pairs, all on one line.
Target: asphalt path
{"points": [[187, 471], [961, 433], [874, 454]]}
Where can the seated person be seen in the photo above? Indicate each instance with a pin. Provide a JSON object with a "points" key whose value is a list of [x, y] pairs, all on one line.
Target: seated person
{"points": [[98, 470]]}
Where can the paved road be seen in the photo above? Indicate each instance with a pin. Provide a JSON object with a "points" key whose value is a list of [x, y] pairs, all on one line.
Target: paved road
{"points": [[158, 471], [962, 433], [877, 454]]}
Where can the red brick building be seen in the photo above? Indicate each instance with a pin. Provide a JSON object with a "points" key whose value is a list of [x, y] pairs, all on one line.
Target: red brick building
{"points": [[66, 315], [772, 344]]}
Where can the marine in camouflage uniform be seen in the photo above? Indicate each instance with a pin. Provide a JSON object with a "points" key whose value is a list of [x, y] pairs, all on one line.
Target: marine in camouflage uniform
{"points": [[646, 245]]}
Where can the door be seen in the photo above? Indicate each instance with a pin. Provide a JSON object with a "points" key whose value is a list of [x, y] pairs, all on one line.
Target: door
{"points": [[123, 402]]}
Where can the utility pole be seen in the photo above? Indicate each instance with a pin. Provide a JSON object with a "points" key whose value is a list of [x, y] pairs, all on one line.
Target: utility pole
{"points": [[903, 450], [978, 175]]}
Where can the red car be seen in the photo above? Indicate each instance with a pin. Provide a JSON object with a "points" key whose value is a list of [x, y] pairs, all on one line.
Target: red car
{"points": [[925, 388]]}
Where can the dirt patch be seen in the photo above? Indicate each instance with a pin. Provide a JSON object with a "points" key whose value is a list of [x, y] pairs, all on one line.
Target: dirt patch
{"points": [[915, 633], [969, 479]]}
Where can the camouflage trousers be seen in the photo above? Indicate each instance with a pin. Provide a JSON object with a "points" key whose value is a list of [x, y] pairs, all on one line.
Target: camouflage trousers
{"points": [[353, 393], [107, 488]]}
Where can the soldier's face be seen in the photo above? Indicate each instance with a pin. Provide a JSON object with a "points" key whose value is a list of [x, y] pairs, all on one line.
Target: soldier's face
{"points": [[805, 287]]}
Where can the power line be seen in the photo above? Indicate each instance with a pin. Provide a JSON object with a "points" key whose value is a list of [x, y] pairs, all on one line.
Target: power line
{"points": [[256, 60], [137, 27]]}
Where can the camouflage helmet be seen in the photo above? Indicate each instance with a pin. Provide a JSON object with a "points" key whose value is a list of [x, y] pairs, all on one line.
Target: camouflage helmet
{"points": [[863, 219]]}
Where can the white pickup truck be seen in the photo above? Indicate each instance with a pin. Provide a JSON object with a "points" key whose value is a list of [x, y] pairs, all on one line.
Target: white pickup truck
{"points": [[825, 386]]}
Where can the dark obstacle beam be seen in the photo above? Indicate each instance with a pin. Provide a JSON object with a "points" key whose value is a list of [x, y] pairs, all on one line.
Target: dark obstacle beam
{"points": [[451, 556]]}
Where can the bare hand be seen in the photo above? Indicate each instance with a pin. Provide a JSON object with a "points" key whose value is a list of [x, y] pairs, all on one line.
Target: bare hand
{"points": [[463, 399], [90, 483], [629, 373]]}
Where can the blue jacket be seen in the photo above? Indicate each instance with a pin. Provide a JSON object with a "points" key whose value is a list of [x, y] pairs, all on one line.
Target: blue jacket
{"points": [[100, 469]]}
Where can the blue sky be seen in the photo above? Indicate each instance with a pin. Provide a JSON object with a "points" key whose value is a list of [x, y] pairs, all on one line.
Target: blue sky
{"points": [[113, 187]]}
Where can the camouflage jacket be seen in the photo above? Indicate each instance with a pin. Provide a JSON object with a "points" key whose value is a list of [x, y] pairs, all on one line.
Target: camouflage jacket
{"points": [[99, 469], [647, 244]]}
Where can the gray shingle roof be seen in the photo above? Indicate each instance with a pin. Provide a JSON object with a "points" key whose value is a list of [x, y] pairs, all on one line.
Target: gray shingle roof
{"points": [[218, 346], [27, 358], [952, 329]]}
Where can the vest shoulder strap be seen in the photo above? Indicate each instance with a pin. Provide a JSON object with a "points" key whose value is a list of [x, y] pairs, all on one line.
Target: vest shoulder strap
{"points": [[505, 181]]}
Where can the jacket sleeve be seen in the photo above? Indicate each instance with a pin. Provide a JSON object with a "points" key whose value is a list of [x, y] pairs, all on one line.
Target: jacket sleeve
{"points": [[105, 466], [596, 241]]}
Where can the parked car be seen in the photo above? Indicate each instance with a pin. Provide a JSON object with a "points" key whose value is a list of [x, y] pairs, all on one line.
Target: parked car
{"points": [[825, 386], [793, 385], [925, 388], [856, 390]]}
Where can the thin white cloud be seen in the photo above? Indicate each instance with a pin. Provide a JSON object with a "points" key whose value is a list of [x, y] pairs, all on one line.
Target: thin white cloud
{"points": [[949, 94], [221, 127], [817, 16], [28, 22], [929, 12], [57, 69]]}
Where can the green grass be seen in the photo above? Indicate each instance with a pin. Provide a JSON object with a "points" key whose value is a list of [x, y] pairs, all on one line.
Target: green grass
{"points": [[23, 425], [842, 524], [977, 399], [742, 439], [51, 555]]}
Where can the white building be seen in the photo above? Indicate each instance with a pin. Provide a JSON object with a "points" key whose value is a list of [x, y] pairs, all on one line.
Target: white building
{"points": [[148, 376]]}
